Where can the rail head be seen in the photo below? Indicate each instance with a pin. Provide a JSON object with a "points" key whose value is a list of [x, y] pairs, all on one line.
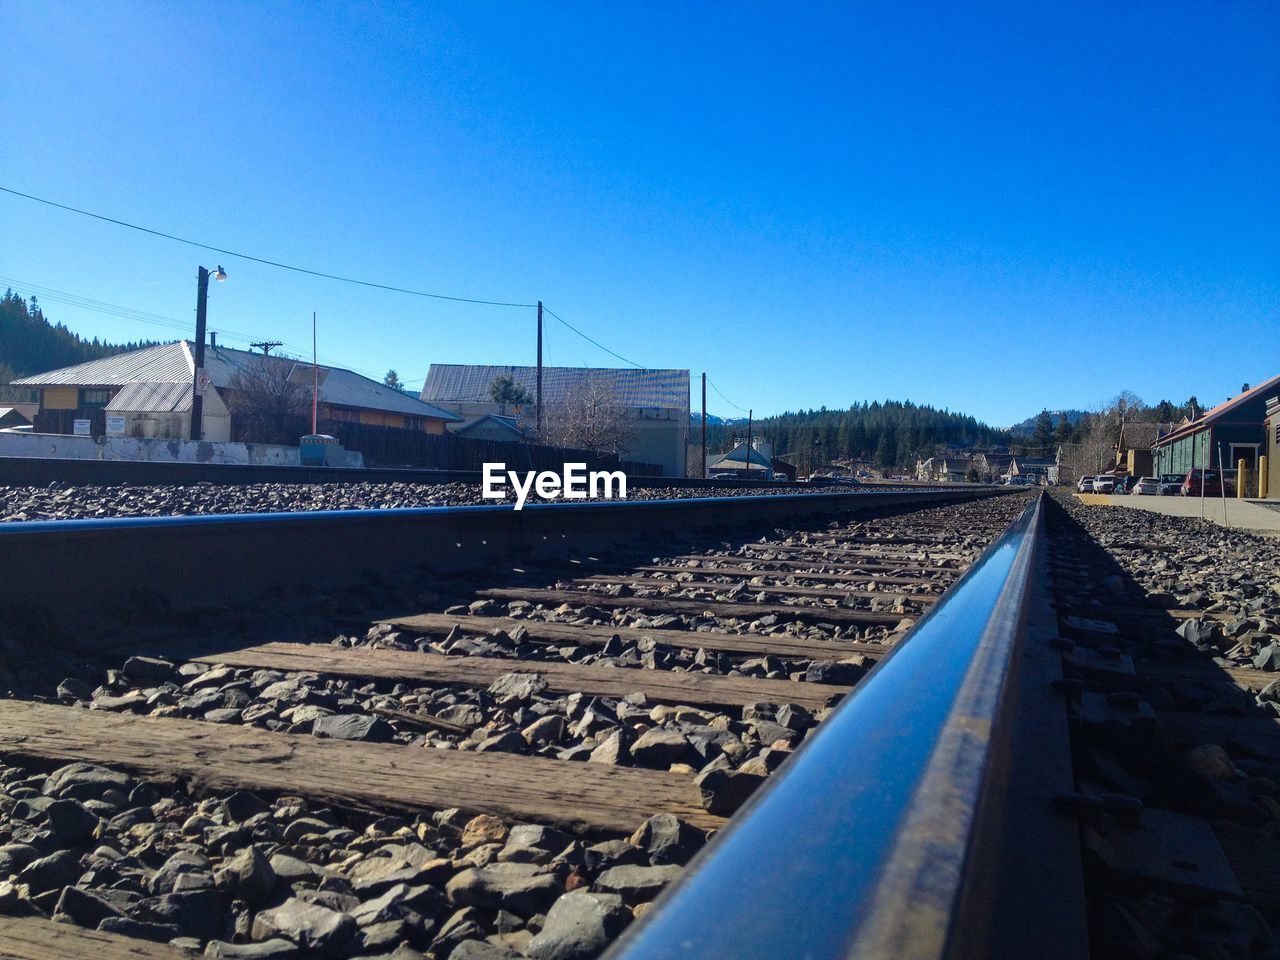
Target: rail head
{"points": [[862, 845]]}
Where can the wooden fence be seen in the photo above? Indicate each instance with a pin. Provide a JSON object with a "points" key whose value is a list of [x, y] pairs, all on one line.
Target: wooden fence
{"points": [[397, 447]]}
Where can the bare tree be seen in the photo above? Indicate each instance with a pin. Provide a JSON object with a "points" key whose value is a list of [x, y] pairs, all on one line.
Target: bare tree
{"points": [[590, 417], [267, 404]]}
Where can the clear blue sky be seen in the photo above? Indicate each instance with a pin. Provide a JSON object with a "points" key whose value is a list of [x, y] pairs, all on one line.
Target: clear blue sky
{"points": [[992, 208]]}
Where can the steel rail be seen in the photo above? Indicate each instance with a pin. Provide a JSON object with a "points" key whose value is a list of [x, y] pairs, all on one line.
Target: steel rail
{"points": [[868, 842], [74, 573]]}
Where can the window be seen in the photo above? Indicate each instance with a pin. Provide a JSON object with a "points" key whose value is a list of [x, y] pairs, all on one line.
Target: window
{"points": [[95, 398]]}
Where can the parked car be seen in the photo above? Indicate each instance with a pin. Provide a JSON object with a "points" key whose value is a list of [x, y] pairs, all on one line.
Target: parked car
{"points": [[1085, 485], [1146, 487], [1229, 478], [1170, 484], [1125, 485], [1104, 484], [1202, 483]]}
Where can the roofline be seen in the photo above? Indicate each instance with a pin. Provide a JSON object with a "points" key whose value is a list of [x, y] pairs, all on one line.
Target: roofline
{"points": [[1214, 414]]}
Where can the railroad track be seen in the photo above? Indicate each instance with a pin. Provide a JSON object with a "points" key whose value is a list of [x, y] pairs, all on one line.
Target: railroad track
{"points": [[519, 754]]}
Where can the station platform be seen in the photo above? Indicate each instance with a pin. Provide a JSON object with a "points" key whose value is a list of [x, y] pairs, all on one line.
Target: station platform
{"points": [[1256, 515]]}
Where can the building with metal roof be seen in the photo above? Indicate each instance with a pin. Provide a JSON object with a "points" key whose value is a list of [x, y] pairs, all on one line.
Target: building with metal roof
{"points": [[1232, 431], [655, 403], [147, 393]]}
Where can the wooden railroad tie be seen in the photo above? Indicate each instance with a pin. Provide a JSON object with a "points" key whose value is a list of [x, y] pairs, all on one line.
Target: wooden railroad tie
{"points": [[32, 938], [777, 589], [589, 635], [363, 776], [475, 672], [739, 611]]}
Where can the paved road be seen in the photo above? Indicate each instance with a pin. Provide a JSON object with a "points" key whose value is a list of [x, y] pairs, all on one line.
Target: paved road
{"points": [[1240, 514]]}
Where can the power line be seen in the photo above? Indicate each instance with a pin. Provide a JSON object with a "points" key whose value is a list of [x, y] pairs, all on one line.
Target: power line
{"points": [[596, 342], [724, 398], [269, 263], [111, 309], [159, 320]]}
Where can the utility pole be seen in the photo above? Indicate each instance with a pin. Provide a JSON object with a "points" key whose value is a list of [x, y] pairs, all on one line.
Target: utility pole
{"points": [[748, 444], [202, 297], [315, 375], [703, 472], [267, 345], [197, 401], [539, 388]]}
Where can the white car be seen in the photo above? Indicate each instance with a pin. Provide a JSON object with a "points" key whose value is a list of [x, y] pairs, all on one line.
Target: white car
{"points": [[1104, 485], [1146, 487], [1085, 485]]}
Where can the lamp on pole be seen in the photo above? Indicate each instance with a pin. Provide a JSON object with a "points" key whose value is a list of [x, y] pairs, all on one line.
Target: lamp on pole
{"points": [[202, 297]]}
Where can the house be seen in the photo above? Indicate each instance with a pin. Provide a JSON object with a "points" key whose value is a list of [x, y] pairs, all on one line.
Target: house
{"points": [[17, 415], [1232, 431], [494, 427], [758, 466], [926, 470], [1133, 448], [993, 466], [1043, 470], [147, 393], [654, 403]]}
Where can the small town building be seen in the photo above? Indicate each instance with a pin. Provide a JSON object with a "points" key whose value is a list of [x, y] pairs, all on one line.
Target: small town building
{"points": [[17, 415], [1134, 447], [147, 393], [1232, 431], [1043, 470], [757, 466], [654, 403], [491, 426]]}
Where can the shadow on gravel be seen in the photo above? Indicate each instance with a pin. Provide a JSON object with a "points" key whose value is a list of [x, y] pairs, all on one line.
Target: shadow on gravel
{"points": [[1177, 764]]}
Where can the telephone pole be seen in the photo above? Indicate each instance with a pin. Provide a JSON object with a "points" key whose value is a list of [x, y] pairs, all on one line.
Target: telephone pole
{"points": [[703, 472], [748, 444], [267, 345], [202, 298]]}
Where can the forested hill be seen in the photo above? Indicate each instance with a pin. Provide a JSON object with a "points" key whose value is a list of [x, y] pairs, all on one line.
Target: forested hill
{"points": [[30, 344], [892, 433]]}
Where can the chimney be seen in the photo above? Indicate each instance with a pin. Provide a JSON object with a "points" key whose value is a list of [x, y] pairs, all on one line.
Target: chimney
{"points": [[213, 339]]}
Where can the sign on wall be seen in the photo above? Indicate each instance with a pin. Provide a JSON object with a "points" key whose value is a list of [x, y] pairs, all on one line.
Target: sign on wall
{"points": [[81, 428], [115, 425]]}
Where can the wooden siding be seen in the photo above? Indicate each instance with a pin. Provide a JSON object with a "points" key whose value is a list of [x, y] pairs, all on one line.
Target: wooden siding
{"points": [[60, 398]]}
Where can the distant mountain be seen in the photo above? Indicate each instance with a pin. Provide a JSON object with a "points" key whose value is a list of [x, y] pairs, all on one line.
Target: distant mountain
{"points": [[713, 421], [1024, 428]]}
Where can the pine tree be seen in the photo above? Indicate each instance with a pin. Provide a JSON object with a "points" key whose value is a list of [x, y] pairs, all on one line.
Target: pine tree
{"points": [[1042, 436]]}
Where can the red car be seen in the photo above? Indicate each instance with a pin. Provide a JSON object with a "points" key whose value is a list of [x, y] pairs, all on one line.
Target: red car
{"points": [[1211, 480]]}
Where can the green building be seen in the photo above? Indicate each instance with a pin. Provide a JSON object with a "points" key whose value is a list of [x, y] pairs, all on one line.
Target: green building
{"points": [[1230, 432]]}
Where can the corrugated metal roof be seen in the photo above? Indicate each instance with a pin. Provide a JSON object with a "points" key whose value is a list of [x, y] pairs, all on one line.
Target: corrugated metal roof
{"points": [[152, 398], [168, 363], [172, 363], [469, 383], [737, 458]]}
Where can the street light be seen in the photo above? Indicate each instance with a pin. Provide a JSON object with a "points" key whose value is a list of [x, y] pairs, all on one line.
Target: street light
{"points": [[202, 298]]}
